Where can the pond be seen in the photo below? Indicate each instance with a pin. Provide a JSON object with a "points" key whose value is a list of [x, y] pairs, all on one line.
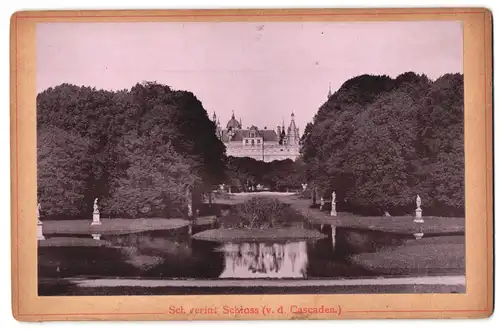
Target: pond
{"points": [[164, 255]]}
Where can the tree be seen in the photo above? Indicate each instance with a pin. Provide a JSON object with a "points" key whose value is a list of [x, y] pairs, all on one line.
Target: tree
{"points": [[155, 181], [62, 172], [83, 113], [243, 173], [380, 153], [183, 122], [142, 146], [441, 147], [379, 141]]}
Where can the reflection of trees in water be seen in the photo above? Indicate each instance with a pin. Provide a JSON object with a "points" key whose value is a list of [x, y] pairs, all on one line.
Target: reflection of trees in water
{"points": [[160, 256], [253, 260], [145, 254], [145, 251], [82, 261]]}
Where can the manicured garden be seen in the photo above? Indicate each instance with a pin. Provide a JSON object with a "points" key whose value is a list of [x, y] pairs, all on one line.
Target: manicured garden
{"points": [[265, 218]]}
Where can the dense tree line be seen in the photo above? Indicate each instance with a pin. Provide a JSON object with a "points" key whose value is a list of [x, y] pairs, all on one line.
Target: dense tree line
{"points": [[244, 174], [378, 142], [151, 150], [147, 151]]}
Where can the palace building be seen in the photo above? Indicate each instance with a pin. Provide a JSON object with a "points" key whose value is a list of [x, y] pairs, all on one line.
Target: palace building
{"points": [[261, 144]]}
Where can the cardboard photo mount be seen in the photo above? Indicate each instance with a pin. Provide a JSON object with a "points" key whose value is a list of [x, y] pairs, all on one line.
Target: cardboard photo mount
{"points": [[477, 302]]}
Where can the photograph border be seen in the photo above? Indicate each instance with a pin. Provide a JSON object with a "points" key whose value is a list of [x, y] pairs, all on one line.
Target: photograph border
{"points": [[477, 302]]}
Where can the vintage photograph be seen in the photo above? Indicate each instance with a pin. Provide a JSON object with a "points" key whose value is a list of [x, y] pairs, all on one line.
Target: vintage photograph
{"points": [[195, 158]]}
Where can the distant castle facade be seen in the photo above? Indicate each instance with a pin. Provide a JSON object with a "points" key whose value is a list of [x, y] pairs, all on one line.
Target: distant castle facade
{"points": [[261, 144]]}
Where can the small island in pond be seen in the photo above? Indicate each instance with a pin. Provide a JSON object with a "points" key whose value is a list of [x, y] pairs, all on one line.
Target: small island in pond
{"points": [[258, 235], [260, 219]]}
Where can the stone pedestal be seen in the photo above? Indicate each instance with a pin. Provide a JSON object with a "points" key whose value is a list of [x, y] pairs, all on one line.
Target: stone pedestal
{"points": [[333, 212], [96, 218], [418, 216], [40, 231]]}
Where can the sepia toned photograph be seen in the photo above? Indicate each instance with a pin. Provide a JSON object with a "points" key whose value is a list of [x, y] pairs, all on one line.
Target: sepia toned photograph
{"points": [[207, 158]]}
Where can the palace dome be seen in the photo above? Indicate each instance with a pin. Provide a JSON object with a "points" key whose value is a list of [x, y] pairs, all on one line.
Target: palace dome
{"points": [[233, 124]]}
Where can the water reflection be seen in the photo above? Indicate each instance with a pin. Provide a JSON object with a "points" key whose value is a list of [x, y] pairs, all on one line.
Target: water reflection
{"points": [[334, 232], [163, 255], [147, 251], [265, 260]]}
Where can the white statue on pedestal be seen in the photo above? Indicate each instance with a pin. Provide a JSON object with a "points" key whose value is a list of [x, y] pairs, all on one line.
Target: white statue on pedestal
{"points": [[96, 208], [38, 209], [39, 224], [96, 217], [418, 211]]}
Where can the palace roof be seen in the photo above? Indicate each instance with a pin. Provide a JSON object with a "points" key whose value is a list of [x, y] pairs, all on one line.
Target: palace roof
{"points": [[267, 135]]}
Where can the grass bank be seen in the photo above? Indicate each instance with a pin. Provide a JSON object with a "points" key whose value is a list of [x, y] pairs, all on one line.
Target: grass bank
{"points": [[258, 235], [112, 226], [426, 256], [72, 242], [395, 224]]}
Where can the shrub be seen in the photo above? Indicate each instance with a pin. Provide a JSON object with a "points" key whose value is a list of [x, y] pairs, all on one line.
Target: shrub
{"points": [[265, 212]]}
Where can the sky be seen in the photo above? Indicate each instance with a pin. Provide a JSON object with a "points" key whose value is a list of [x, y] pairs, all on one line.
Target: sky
{"points": [[261, 71]]}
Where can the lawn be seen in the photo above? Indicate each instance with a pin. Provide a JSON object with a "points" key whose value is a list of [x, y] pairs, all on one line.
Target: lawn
{"points": [[426, 256], [395, 224], [115, 225], [72, 242]]}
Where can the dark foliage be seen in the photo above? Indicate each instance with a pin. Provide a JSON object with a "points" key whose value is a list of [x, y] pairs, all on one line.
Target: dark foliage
{"points": [[245, 173], [143, 152], [378, 142], [262, 212]]}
